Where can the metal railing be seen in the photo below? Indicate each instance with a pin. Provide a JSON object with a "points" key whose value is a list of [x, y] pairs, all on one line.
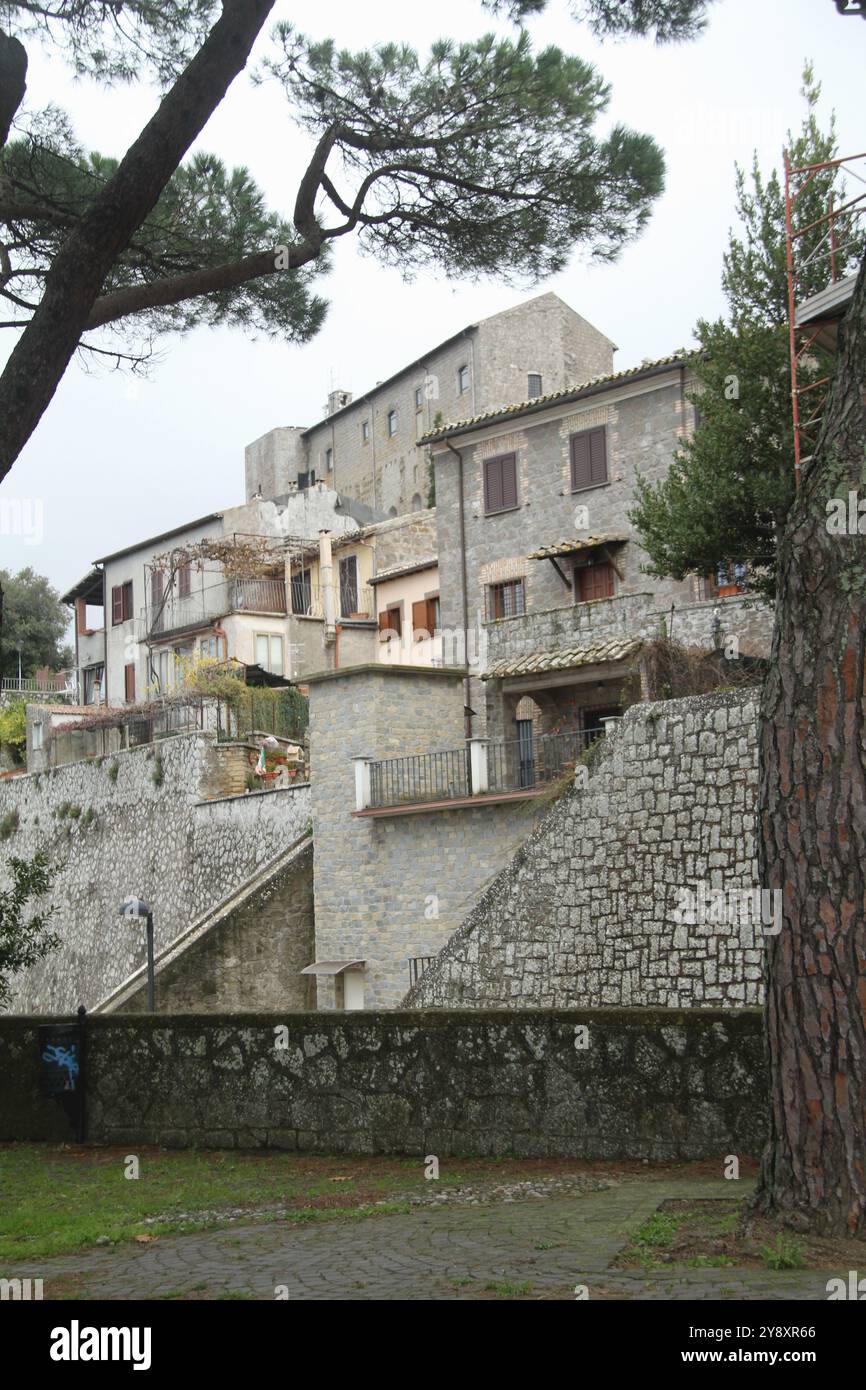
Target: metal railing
{"points": [[29, 685], [305, 600], [214, 601], [417, 966], [525, 763], [422, 777], [512, 765]]}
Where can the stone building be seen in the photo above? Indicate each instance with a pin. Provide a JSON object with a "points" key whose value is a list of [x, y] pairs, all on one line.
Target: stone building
{"points": [[368, 445], [543, 589]]}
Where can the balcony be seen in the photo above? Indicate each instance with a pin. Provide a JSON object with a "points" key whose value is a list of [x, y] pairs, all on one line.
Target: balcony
{"points": [[351, 601], [39, 687], [482, 770], [205, 605]]}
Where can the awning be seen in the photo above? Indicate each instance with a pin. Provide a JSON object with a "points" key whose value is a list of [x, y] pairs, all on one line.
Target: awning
{"points": [[821, 313], [576, 544], [332, 967], [611, 651], [89, 588]]}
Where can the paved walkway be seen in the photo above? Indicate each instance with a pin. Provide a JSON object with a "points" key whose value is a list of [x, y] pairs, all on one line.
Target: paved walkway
{"points": [[448, 1252]]}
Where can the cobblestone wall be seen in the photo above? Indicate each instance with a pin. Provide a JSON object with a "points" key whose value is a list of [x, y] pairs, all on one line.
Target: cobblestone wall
{"points": [[653, 1084], [133, 823], [585, 914]]}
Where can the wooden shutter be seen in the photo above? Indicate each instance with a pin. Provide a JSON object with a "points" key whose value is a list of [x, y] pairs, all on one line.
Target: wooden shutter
{"points": [[509, 480], [384, 621], [126, 600], [596, 581], [184, 580], [129, 682], [420, 620], [117, 604], [598, 455], [500, 483], [492, 485], [431, 615], [588, 458]]}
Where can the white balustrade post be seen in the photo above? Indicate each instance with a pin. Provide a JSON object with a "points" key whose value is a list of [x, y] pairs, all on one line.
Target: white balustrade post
{"points": [[363, 788], [478, 764]]}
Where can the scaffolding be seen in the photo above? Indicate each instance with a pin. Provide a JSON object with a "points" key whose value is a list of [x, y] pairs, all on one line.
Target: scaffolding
{"points": [[820, 256]]}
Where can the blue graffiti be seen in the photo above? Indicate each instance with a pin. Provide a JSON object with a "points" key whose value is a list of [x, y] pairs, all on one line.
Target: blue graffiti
{"points": [[63, 1057]]}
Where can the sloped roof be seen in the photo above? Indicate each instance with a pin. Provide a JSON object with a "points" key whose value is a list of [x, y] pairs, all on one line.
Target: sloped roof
{"points": [[569, 393], [576, 544], [593, 654]]}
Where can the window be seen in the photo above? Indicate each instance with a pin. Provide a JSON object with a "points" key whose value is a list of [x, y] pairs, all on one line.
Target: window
{"points": [[302, 592], [329, 460], [505, 600], [392, 422], [365, 431], [462, 379], [534, 385], [37, 736], [419, 397], [121, 603], [184, 580], [730, 579], [348, 585], [209, 646], [500, 483], [392, 620], [93, 681], [129, 683], [588, 458], [425, 617], [269, 652], [594, 581]]}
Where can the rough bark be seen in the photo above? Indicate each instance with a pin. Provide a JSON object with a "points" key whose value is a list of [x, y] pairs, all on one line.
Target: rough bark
{"points": [[72, 286], [813, 829]]}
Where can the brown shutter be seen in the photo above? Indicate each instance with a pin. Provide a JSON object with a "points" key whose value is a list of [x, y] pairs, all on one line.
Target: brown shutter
{"points": [[431, 615], [117, 604], [420, 620], [598, 455], [596, 581], [492, 485], [509, 481], [126, 600], [384, 621], [581, 473], [129, 682]]}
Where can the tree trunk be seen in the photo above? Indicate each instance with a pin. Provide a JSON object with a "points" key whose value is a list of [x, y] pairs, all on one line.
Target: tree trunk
{"points": [[812, 841], [43, 352]]}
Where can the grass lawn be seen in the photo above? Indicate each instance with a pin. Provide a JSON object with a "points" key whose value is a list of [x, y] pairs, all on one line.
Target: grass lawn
{"points": [[55, 1199]]}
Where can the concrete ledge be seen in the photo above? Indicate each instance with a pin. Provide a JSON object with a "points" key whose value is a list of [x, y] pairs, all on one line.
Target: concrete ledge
{"points": [[456, 803], [382, 668]]}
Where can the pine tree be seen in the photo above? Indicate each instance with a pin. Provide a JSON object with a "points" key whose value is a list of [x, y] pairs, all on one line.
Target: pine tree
{"points": [[729, 490]]}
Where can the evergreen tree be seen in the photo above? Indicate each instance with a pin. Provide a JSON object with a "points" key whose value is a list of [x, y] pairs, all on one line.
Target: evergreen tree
{"points": [[728, 491], [481, 158]]}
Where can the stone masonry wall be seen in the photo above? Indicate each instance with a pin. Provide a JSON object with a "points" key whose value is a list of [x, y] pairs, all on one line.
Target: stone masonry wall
{"points": [[605, 1084], [251, 957], [585, 913], [392, 889], [133, 823]]}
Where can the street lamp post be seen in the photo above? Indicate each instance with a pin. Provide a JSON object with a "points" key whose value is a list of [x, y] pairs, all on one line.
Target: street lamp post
{"points": [[137, 910]]}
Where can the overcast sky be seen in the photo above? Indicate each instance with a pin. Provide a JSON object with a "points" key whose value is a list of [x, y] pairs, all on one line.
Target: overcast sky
{"points": [[116, 459]]}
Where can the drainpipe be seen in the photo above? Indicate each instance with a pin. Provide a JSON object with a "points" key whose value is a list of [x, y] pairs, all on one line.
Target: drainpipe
{"points": [[467, 718], [326, 579]]}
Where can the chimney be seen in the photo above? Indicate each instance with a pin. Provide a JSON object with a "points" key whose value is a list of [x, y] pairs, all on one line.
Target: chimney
{"points": [[326, 579], [337, 399]]}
